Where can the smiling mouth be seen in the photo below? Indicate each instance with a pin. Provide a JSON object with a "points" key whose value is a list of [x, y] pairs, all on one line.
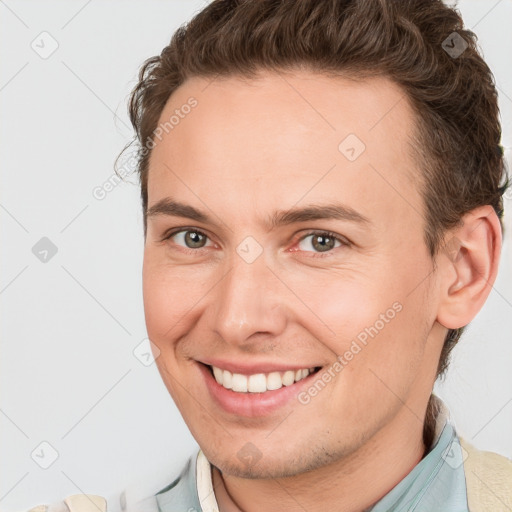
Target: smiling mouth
{"points": [[259, 382]]}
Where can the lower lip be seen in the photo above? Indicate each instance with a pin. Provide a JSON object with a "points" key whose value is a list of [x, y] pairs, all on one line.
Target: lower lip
{"points": [[251, 404]]}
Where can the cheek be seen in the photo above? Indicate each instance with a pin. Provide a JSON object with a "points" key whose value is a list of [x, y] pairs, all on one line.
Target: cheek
{"points": [[168, 296], [342, 304], [374, 308]]}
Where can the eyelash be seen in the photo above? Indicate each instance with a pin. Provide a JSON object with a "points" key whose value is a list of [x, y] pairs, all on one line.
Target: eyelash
{"points": [[328, 234]]}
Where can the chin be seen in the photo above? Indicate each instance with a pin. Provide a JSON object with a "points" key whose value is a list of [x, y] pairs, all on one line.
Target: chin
{"points": [[268, 470], [277, 465]]}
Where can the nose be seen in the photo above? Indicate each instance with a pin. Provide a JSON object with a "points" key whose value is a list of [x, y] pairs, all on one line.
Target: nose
{"points": [[249, 303]]}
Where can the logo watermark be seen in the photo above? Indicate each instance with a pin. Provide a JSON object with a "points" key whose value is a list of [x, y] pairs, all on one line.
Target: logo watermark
{"points": [[100, 192], [356, 346]]}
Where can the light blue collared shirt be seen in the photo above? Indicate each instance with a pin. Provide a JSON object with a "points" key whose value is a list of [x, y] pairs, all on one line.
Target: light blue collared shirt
{"points": [[436, 484]]}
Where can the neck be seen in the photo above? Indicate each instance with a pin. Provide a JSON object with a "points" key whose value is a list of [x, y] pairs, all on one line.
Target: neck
{"points": [[353, 484]]}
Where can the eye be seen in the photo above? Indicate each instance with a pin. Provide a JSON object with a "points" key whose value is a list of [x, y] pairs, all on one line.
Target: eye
{"points": [[187, 238], [321, 242]]}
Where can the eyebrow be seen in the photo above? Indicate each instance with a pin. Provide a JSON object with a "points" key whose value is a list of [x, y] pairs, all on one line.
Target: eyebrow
{"points": [[169, 207]]}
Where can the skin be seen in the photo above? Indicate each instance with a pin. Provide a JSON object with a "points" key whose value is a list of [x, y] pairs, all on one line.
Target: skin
{"points": [[252, 147]]}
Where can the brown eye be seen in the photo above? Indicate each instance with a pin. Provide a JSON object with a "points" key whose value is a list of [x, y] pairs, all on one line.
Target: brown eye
{"points": [[323, 243], [194, 240], [320, 242], [188, 238]]}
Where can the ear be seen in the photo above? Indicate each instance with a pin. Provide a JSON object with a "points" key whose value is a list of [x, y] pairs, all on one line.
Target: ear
{"points": [[468, 265]]}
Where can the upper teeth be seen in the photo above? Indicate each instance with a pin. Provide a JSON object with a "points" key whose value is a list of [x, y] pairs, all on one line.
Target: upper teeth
{"points": [[259, 382]]}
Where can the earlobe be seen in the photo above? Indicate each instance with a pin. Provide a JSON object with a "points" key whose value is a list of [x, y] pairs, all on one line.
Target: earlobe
{"points": [[468, 264]]}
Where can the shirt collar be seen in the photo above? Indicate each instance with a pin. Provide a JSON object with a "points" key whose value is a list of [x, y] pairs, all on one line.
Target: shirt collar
{"points": [[436, 481]]}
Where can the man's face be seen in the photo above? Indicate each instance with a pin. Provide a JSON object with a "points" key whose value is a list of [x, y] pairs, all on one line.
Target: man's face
{"points": [[252, 291]]}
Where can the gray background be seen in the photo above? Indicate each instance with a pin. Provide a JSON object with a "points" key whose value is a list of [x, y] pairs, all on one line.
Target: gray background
{"points": [[72, 320]]}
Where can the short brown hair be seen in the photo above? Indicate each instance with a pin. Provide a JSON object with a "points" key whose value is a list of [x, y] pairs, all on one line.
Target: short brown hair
{"points": [[412, 42]]}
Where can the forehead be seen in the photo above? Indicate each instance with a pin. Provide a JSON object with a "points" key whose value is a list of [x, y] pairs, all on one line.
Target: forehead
{"points": [[287, 137]]}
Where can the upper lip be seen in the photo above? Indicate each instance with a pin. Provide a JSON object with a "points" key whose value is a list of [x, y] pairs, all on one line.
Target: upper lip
{"points": [[245, 368]]}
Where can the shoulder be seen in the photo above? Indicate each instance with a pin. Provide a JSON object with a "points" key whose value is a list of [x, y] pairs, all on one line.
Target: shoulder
{"points": [[75, 503], [180, 492], [488, 479]]}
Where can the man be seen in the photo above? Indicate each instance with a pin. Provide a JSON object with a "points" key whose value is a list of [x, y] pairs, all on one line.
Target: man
{"points": [[322, 193]]}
